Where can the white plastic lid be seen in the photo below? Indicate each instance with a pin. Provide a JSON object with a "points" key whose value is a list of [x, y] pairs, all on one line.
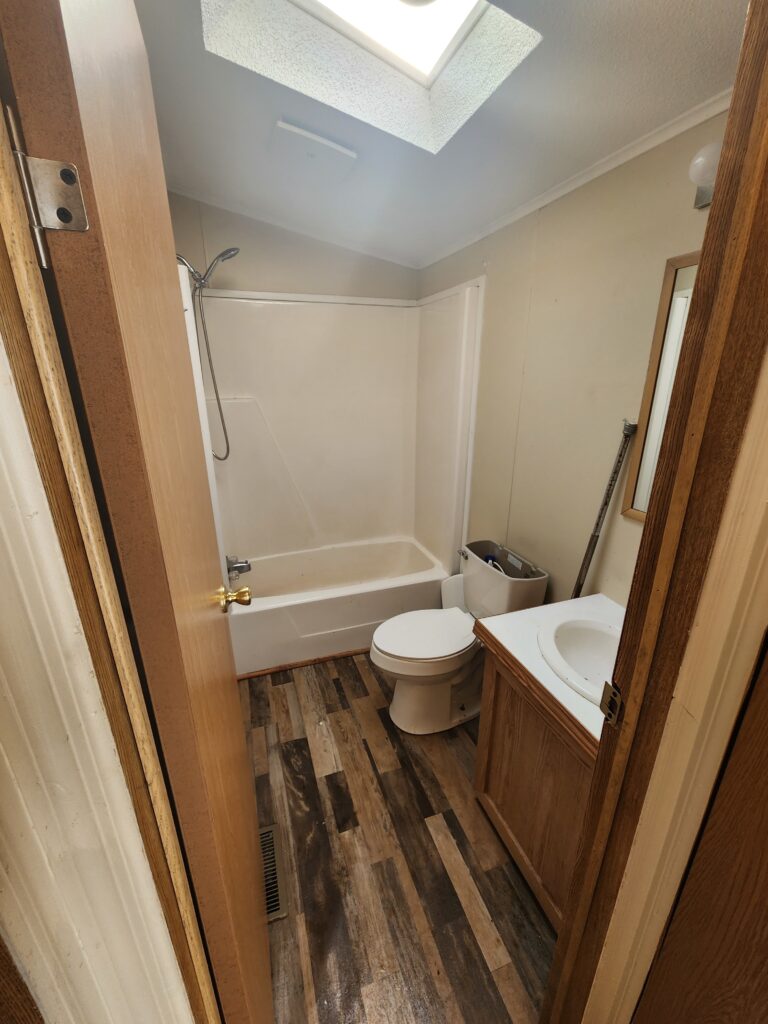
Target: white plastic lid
{"points": [[430, 633]]}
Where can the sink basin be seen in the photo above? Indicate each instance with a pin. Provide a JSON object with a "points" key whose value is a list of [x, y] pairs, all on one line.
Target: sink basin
{"points": [[582, 652]]}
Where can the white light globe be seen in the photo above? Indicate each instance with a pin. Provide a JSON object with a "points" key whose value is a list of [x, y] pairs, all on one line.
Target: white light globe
{"points": [[703, 167]]}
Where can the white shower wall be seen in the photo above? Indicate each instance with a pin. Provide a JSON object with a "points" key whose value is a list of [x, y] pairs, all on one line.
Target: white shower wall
{"points": [[348, 420]]}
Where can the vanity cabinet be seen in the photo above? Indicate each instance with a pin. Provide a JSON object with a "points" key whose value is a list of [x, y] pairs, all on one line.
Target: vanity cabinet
{"points": [[534, 769]]}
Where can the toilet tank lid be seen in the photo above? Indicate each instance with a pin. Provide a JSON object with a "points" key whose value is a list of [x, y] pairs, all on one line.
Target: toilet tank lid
{"points": [[429, 633]]}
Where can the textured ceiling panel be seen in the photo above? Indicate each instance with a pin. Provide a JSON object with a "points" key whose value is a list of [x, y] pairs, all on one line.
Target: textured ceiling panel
{"points": [[279, 40]]}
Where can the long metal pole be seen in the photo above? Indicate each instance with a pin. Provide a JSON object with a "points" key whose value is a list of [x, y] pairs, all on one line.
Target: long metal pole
{"points": [[627, 434]]}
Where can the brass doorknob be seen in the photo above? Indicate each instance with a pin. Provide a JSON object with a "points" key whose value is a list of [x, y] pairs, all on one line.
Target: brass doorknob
{"points": [[228, 597]]}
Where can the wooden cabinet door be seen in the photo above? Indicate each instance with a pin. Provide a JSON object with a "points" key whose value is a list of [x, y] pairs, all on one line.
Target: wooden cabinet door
{"points": [[713, 960], [80, 83], [533, 776]]}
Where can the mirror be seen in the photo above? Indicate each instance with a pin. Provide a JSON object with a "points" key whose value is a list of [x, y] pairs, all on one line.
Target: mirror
{"points": [[676, 291]]}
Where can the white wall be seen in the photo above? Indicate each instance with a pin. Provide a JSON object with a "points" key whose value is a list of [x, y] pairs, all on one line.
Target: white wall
{"points": [[570, 303], [275, 260], [79, 911]]}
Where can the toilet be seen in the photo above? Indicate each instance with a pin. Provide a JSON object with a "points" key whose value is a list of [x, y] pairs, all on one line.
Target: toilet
{"points": [[433, 657]]}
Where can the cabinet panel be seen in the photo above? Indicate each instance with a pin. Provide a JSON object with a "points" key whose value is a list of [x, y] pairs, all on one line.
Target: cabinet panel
{"points": [[533, 778]]}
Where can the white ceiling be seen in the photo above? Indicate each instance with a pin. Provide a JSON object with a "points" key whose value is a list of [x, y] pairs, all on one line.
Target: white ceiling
{"points": [[606, 73]]}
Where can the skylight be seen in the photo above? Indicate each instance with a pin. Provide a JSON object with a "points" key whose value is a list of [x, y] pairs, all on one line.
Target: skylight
{"points": [[416, 71], [417, 38]]}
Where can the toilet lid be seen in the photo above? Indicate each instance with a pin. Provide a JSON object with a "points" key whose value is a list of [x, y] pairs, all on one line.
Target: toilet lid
{"points": [[426, 634]]}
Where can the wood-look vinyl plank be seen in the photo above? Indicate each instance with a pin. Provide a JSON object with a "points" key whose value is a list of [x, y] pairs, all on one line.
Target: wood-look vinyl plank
{"points": [[472, 729], [331, 951], [476, 992], [367, 797], [294, 710], [522, 924], [415, 762], [370, 682], [461, 797], [310, 998], [342, 697], [386, 1002], [259, 693], [432, 882], [515, 995], [383, 753], [350, 679], [281, 712], [322, 744], [385, 686], [463, 749], [258, 748], [427, 939], [244, 693], [280, 677], [324, 684], [264, 801], [341, 801], [373, 928], [385, 921], [352, 911], [477, 914], [419, 985], [287, 979], [282, 821]]}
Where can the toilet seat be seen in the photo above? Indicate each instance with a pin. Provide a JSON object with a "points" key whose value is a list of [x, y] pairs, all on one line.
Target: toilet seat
{"points": [[430, 642]]}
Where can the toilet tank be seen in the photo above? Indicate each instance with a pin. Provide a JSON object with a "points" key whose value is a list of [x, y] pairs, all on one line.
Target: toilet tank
{"points": [[506, 583]]}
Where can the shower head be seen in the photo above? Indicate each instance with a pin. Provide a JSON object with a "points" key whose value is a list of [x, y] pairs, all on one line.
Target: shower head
{"points": [[201, 280], [196, 275], [227, 254]]}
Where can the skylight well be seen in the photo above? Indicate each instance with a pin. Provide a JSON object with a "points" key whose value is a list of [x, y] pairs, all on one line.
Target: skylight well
{"points": [[417, 39], [416, 71]]}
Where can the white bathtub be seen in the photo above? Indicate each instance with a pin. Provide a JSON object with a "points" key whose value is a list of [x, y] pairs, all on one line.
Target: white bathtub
{"points": [[324, 601]]}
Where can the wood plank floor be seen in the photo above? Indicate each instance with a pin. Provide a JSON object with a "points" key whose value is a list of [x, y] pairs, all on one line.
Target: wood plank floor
{"points": [[403, 905]]}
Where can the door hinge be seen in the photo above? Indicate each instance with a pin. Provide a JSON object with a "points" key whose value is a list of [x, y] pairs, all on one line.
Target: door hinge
{"points": [[611, 703], [52, 193]]}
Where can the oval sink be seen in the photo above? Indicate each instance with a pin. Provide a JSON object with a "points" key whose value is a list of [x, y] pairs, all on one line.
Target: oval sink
{"points": [[582, 652]]}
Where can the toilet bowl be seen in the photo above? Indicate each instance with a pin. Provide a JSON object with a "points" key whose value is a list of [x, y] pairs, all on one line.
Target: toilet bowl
{"points": [[432, 656]]}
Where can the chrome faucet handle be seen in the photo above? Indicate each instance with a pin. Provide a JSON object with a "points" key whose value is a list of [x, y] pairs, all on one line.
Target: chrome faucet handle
{"points": [[238, 565]]}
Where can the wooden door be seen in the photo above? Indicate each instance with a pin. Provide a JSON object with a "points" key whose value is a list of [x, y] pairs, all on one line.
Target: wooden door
{"points": [[79, 82], [713, 960], [723, 349]]}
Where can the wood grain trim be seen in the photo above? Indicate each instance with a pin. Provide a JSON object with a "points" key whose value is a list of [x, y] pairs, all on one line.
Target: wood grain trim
{"points": [[17, 1002], [35, 360], [690, 259], [723, 350], [520, 858], [572, 732], [301, 664]]}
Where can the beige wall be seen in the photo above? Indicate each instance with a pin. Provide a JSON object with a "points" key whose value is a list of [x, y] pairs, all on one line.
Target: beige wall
{"points": [[274, 260], [571, 298]]}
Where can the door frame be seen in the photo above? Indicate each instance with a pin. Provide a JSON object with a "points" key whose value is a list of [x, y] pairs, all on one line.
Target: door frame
{"points": [[723, 352], [35, 358], [78, 77]]}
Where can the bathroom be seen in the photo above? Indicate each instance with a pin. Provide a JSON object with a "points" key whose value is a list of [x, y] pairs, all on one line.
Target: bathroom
{"points": [[428, 366], [503, 374]]}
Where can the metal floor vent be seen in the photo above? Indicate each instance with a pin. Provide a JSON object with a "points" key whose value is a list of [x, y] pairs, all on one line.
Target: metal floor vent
{"points": [[273, 873]]}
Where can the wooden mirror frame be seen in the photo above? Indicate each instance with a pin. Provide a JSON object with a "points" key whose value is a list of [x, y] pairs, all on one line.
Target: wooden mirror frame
{"points": [[689, 259]]}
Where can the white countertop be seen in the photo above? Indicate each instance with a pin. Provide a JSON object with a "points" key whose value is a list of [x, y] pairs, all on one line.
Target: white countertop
{"points": [[518, 633]]}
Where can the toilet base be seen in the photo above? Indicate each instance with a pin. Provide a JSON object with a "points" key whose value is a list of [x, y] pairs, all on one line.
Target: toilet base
{"points": [[420, 707]]}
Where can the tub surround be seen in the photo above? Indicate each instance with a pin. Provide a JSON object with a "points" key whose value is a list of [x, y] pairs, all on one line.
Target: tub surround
{"points": [[537, 746]]}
